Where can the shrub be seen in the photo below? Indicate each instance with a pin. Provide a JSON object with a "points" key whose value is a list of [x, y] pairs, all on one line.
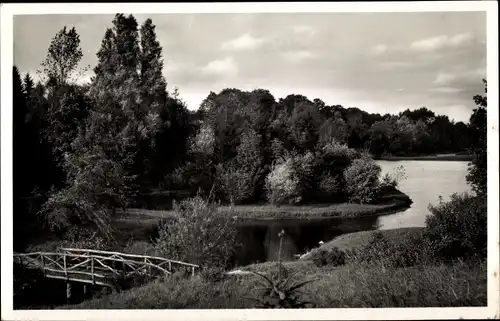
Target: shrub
{"points": [[140, 248], [198, 235], [457, 228], [410, 252], [96, 187], [329, 187], [338, 150], [213, 274], [395, 178], [235, 182], [362, 180], [400, 252], [282, 183], [332, 257]]}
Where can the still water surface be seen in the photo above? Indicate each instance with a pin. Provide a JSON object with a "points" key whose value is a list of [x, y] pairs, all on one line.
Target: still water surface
{"points": [[425, 182]]}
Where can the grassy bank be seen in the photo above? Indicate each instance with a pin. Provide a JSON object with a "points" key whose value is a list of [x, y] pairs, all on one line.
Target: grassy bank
{"points": [[361, 239], [350, 286], [353, 285], [451, 157], [391, 201]]}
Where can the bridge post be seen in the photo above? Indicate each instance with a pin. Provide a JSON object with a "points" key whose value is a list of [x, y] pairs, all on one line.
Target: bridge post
{"points": [[43, 265], [84, 290], [92, 269], [65, 268], [68, 291]]}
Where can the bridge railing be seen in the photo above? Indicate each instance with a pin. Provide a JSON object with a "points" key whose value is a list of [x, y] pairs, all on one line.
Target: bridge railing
{"points": [[98, 267], [164, 263], [63, 266]]}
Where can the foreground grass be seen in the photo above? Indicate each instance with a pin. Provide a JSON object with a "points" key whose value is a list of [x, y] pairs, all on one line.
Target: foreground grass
{"points": [[354, 285], [349, 286]]}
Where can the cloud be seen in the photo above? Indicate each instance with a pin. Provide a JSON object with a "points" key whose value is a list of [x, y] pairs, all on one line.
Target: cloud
{"points": [[299, 56], [225, 66], [460, 39], [444, 78], [395, 64], [379, 49], [267, 50], [462, 76], [171, 66], [446, 90], [441, 42], [305, 30], [244, 42]]}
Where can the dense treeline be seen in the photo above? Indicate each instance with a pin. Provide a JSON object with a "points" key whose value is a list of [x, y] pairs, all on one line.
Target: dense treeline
{"points": [[101, 146]]}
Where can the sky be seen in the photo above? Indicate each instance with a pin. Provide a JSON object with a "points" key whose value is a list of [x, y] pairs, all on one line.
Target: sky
{"points": [[378, 62]]}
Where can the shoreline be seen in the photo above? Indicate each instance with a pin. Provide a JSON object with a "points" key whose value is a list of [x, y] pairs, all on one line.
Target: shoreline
{"points": [[392, 202], [249, 217], [347, 241], [326, 216], [450, 158]]}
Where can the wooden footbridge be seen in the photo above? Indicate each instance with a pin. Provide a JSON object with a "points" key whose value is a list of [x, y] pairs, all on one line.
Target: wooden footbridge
{"points": [[100, 267]]}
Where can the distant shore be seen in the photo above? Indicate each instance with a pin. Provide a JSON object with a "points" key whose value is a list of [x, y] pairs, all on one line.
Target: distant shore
{"points": [[443, 157]]}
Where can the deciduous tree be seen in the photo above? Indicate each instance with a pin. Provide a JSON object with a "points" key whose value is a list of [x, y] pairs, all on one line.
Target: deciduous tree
{"points": [[478, 169]]}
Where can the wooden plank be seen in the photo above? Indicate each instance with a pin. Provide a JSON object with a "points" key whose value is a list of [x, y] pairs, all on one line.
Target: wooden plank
{"points": [[81, 273], [80, 280], [38, 253], [76, 272]]}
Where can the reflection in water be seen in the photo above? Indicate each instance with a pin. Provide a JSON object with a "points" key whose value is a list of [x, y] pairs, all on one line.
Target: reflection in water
{"points": [[260, 241]]}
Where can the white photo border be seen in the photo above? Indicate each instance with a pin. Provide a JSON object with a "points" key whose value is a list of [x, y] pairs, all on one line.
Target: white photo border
{"points": [[9, 10]]}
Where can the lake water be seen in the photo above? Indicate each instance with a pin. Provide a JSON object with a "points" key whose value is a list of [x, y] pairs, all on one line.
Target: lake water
{"points": [[425, 182]]}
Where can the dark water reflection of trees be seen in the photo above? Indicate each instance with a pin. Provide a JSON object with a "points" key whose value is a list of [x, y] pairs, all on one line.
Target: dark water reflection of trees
{"points": [[259, 239]]}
